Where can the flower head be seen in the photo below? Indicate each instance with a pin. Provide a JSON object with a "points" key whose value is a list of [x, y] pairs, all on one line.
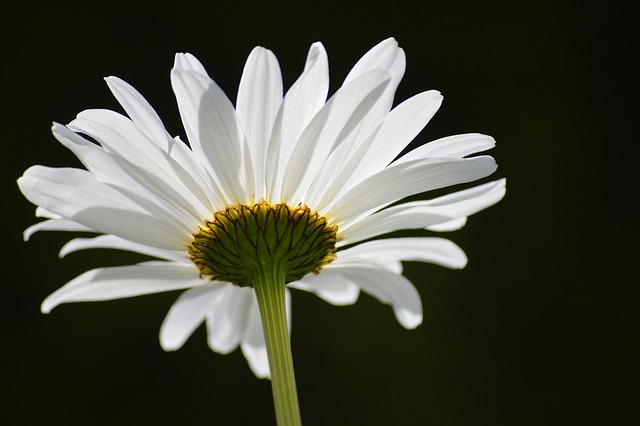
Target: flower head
{"points": [[295, 179]]}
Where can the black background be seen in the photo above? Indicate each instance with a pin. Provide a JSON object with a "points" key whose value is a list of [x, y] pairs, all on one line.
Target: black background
{"points": [[540, 328]]}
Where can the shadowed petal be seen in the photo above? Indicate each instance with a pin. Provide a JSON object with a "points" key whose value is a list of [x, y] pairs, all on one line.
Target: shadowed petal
{"points": [[125, 281], [187, 313]]}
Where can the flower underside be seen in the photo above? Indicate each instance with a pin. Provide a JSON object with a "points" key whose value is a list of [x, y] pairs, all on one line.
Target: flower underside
{"points": [[243, 241]]}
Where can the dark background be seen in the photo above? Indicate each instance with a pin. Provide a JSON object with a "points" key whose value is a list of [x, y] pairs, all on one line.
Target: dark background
{"points": [[540, 328]]}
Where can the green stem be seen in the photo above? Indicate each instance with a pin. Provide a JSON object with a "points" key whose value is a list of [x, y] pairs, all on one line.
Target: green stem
{"points": [[269, 288]]}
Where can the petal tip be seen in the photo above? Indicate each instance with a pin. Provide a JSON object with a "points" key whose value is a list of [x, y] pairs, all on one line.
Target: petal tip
{"points": [[47, 306]]}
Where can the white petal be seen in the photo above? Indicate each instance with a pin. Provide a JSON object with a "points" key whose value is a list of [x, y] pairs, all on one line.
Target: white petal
{"points": [[337, 170], [400, 127], [402, 180], [105, 168], [387, 56], [144, 161], [188, 62], [451, 146], [54, 225], [390, 288], [333, 123], [42, 212], [78, 196], [451, 225], [187, 313], [253, 345], [214, 132], [227, 320], [439, 214], [349, 165], [179, 151], [342, 162], [140, 112], [125, 281], [329, 285], [432, 250], [113, 242], [301, 103], [95, 158], [259, 99]]}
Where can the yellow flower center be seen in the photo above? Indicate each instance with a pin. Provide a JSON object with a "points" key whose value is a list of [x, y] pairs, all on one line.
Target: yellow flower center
{"points": [[242, 241]]}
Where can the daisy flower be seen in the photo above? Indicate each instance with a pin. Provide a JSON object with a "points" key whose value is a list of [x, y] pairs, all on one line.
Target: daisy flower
{"points": [[289, 188]]}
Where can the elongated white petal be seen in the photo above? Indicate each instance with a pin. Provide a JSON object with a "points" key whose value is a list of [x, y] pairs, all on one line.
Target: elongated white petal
{"points": [[253, 345], [337, 170], [227, 320], [125, 281], [144, 161], [432, 250], [301, 103], [389, 288], [387, 56], [54, 225], [97, 160], [340, 165], [105, 168], [443, 213], [403, 180], [214, 132], [179, 151], [113, 242], [187, 313], [335, 121], [348, 165], [259, 99], [140, 112], [78, 196], [400, 127], [450, 146], [329, 285]]}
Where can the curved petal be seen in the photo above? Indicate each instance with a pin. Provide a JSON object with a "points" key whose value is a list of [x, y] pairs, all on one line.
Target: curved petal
{"points": [[389, 288], [113, 242], [76, 195], [214, 132], [125, 281], [54, 225], [432, 250], [140, 111], [400, 127], [301, 103], [452, 146], [106, 169], [187, 313], [439, 214], [329, 285], [227, 320], [333, 123], [349, 165], [259, 99], [387, 56], [402, 180], [148, 165], [253, 345], [451, 225]]}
